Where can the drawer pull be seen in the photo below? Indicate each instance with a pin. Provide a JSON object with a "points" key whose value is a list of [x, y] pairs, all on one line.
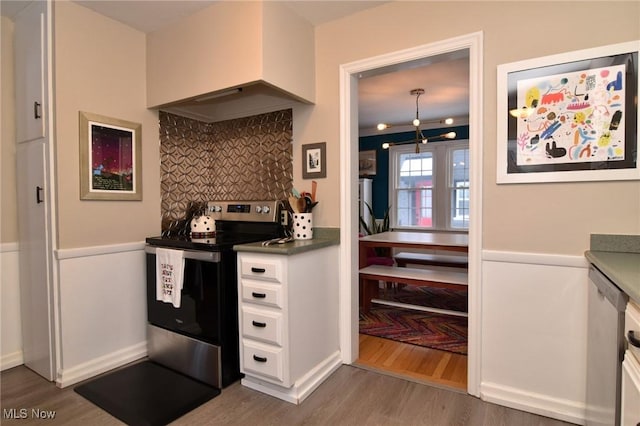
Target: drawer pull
{"points": [[633, 339], [259, 324], [258, 295], [259, 358], [258, 270]]}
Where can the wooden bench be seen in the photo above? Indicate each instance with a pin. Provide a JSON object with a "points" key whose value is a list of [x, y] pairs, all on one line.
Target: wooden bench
{"points": [[407, 258], [371, 275]]}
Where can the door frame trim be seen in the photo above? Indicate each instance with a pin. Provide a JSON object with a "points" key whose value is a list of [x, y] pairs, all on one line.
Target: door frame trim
{"points": [[348, 305]]}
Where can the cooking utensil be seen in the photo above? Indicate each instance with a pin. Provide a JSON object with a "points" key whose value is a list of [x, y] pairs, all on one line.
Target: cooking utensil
{"points": [[302, 205], [314, 187], [293, 202], [307, 204]]}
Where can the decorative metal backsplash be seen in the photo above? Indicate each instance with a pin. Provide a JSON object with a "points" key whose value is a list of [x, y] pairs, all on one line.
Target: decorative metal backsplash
{"points": [[243, 159]]}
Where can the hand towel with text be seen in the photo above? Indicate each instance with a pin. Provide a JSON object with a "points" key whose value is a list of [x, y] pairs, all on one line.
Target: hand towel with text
{"points": [[169, 273]]}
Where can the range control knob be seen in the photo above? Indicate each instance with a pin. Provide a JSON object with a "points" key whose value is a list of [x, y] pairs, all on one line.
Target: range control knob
{"points": [[265, 209], [258, 209], [216, 209]]}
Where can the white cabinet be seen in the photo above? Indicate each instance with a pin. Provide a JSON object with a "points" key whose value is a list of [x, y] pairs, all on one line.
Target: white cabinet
{"points": [[288, 321], [30, 76], [630, 391], [631, 370], [33, 189]]}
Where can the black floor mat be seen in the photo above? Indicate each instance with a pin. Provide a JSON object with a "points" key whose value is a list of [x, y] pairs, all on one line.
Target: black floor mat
{"points": [[146, 394]]}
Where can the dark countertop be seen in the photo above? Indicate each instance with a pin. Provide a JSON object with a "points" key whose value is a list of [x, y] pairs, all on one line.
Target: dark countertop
{"points": [[618, 257], [322, 237]]}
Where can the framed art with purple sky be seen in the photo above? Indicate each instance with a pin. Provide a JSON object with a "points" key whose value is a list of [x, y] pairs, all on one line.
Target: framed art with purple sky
{"points": [[110, 162]]}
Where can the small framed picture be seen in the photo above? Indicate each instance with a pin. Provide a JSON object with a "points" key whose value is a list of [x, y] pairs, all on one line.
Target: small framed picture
{"points": [[314, 159], [367, 163], [110, 161]]}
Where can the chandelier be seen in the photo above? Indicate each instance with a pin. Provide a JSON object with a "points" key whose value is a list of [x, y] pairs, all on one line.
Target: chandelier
{"points": [[419, 137], [416, 121]]}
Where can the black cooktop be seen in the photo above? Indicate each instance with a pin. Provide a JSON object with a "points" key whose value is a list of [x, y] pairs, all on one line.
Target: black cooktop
{"points": [[228, 234], [215, 243]]}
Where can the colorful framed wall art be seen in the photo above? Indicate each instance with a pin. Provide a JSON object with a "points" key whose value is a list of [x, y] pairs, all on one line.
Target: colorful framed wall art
{"points": [[569, 117]]}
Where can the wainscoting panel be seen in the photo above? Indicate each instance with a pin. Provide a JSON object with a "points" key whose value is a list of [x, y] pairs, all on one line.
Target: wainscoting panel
{"points": [[11, 329], [534, 312], [102, 309]]}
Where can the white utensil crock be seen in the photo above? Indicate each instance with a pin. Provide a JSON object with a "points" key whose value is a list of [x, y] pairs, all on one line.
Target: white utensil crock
{"points": [[303, 226]]}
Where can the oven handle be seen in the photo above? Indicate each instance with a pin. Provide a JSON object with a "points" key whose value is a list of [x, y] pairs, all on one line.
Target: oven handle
{"points": [[203, 256]]}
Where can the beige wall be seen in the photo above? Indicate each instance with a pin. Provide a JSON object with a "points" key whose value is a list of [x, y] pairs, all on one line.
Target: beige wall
{"points": [[100, 68], [546, 218], [8, 211]]}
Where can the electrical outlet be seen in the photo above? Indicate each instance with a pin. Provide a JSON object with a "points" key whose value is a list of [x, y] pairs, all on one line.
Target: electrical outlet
{"points": [[284, 218]]}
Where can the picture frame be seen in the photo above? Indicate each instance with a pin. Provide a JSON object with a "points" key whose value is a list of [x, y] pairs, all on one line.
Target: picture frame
{"points": [[314, 160], [569, 117], [367, 163], [110, 158]]}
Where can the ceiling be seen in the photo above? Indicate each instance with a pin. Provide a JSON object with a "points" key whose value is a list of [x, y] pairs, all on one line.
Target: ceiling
{"points": [[150, 15], [383, 93]]}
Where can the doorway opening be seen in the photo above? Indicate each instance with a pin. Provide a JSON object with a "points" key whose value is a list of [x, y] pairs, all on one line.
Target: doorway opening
{"points": [[349, 303]]}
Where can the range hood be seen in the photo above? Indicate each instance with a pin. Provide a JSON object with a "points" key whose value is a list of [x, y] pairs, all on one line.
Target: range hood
{"points": [[236, 102], [195, 66]]}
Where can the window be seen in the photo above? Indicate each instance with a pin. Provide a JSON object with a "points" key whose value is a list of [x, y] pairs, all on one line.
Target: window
{"points": [[420, 185], [459, 187]]}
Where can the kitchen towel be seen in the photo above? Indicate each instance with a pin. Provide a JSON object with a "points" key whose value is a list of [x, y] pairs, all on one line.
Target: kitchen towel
{"points": [[169, 275]]}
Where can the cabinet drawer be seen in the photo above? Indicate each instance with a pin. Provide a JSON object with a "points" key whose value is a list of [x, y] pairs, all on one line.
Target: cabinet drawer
{"points": [[262, 294], [263, 360], [261, 269], [632, 323], [262, 325]]}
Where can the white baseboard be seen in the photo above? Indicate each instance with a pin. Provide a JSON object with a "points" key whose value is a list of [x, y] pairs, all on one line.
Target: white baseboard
{"points": [[564, 410], [303, 387], [11, 360], [100, 365]]}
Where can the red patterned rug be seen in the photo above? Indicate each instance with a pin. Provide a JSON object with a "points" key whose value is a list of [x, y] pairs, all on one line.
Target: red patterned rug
{"points": [[436, 331]]}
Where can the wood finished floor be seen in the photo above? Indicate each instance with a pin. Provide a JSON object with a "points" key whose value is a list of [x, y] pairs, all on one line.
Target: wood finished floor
{"points": [[351, 396], [413, 362]]}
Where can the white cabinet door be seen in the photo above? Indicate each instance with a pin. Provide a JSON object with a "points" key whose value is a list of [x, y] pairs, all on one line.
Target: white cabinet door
{"points": [[630, 391], [30, 63], [35, 297]]}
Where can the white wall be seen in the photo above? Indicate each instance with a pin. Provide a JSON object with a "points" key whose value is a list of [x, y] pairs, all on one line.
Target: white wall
{"points": [[534, 333], [103, 313], [10, 327]]}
